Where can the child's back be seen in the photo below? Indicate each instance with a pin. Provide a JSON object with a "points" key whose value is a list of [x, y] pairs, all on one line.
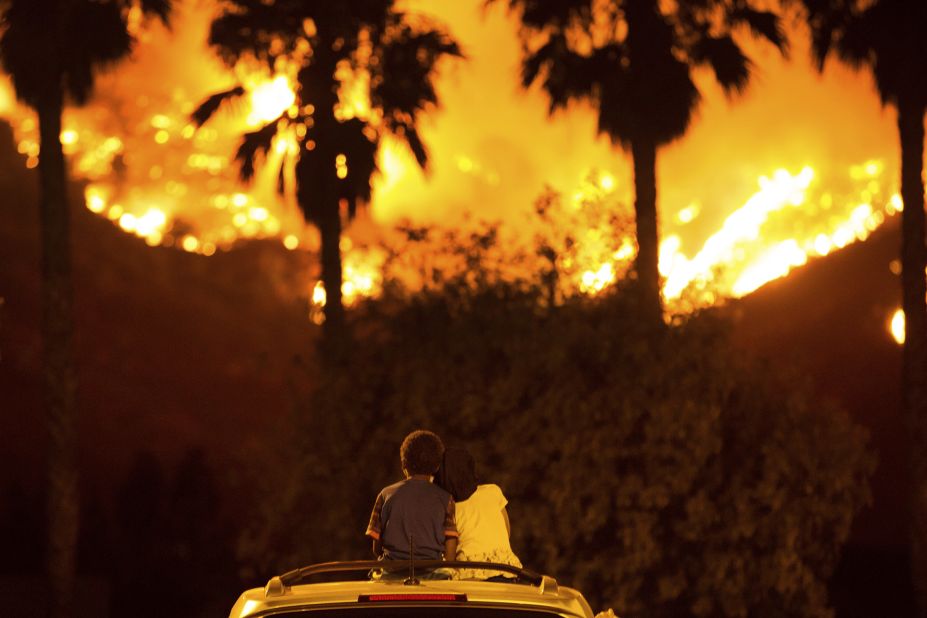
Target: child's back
{"points": [[480, 515], [415, 508], [481, 521]]}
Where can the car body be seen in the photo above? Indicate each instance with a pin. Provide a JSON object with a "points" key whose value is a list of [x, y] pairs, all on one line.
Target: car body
{"points": [[409, 593]]}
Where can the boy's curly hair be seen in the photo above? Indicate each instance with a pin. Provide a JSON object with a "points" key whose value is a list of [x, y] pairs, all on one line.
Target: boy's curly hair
{"points": [[421, 452]]}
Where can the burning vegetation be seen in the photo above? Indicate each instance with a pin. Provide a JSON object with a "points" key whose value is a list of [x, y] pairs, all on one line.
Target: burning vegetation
{"points": [[155, 174]]}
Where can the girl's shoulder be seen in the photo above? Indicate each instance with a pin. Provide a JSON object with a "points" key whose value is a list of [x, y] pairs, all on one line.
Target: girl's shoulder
{"points": [[493, 493]]}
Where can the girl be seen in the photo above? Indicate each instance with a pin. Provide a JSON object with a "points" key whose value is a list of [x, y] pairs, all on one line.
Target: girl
{"points": [[482, 521]]}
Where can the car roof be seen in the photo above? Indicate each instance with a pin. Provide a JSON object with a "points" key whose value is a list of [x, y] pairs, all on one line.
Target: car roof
{"points": [[286, 593]]}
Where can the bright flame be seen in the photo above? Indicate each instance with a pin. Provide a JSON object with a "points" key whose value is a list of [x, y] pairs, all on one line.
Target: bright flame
{"points": [[779, 192], [269, 100], [153, 174], [896, 326], [772, 264]]}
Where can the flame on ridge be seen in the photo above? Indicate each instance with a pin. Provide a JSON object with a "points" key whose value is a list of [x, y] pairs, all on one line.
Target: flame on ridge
{"points": [[145, 164]]}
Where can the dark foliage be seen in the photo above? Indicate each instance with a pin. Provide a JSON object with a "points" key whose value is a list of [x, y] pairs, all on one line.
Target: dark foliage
{"points": [[659, 472]]}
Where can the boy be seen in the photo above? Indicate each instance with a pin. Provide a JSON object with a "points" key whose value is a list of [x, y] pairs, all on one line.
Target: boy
{"points": [[415, 507]]}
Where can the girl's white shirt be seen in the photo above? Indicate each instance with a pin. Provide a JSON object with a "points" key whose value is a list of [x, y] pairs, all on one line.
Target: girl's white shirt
{"points": [[483, 533]]}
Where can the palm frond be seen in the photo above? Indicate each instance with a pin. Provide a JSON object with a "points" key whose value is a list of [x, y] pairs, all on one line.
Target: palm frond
{"points": [[402, 80], [726, 59], [855, 42], [539, 15], [763, 24], [281, 180], [254, 144], [417, 146], [827, 19], [27, 50], [249, 29], [97, 35], [535, 62], [158, 8], [211, 105]]}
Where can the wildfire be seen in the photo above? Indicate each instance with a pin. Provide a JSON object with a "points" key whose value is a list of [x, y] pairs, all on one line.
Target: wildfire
{"points": [[150, 171], [754, 252]]}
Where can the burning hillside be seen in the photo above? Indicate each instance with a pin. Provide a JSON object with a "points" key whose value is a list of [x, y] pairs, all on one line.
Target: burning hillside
{"points": [[154, 174]]}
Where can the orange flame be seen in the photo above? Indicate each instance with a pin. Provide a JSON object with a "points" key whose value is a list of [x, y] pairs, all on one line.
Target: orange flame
{"points": [[156, 176]]}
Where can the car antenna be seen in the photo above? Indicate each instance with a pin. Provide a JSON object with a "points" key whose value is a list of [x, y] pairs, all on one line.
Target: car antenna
{"points": [[411, 581]]}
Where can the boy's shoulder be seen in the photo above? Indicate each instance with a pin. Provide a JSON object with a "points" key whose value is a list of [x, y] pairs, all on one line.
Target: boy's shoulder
{"points": [[413, 487], [389, 490]]}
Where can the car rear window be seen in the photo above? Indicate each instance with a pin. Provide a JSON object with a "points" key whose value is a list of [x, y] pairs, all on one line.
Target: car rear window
{"points": [[425, 611]]}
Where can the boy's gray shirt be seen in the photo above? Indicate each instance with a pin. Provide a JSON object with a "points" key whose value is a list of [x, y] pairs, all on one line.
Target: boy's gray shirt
{"points": [[416, 508]]}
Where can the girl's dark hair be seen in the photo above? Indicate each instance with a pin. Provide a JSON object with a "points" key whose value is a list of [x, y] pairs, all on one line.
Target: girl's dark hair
{"points": [[457, 474]]}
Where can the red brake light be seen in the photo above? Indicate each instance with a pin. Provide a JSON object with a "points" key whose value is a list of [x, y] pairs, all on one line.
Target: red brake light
{"points": [[367, 598]]}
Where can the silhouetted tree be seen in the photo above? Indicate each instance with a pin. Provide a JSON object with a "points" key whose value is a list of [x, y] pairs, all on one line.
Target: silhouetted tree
{"points": [[633, 61], [398, 52], [52, 49], [889, 38], [140, 568], [23, 529], [200, 544]]}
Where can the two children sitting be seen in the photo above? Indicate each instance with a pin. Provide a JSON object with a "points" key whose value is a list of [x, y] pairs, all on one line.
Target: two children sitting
{"points": [[454, 517]]}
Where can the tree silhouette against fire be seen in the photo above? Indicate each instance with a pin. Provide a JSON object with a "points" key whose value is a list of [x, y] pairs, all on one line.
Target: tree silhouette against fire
{"points": [[889, 38], [52, 50], [633, 61], [398, 54]]}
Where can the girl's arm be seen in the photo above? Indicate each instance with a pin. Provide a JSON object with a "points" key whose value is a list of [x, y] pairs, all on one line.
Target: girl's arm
{"points": [[508, 526]]}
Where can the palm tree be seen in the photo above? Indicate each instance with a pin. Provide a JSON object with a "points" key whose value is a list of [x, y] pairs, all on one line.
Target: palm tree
{"points": [[397, 52], [889, 38], [633, 61], [51, 50]]}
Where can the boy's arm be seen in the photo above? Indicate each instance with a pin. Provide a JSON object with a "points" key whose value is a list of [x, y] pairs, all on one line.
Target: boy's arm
{"points": [[373, 528]]}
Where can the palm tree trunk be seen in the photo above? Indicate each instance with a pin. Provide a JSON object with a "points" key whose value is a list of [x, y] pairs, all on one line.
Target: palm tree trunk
{"points": [[330, 230], [914, 368], [317, 186], [59, 374], [644, 155]]}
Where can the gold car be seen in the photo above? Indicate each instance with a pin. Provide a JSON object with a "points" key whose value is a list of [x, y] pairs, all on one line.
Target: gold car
{"points": [[409, 591]]}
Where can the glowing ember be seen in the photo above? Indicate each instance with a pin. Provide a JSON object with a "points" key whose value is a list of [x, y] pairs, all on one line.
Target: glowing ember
{"points": [[362, 278], [896, 326]]}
